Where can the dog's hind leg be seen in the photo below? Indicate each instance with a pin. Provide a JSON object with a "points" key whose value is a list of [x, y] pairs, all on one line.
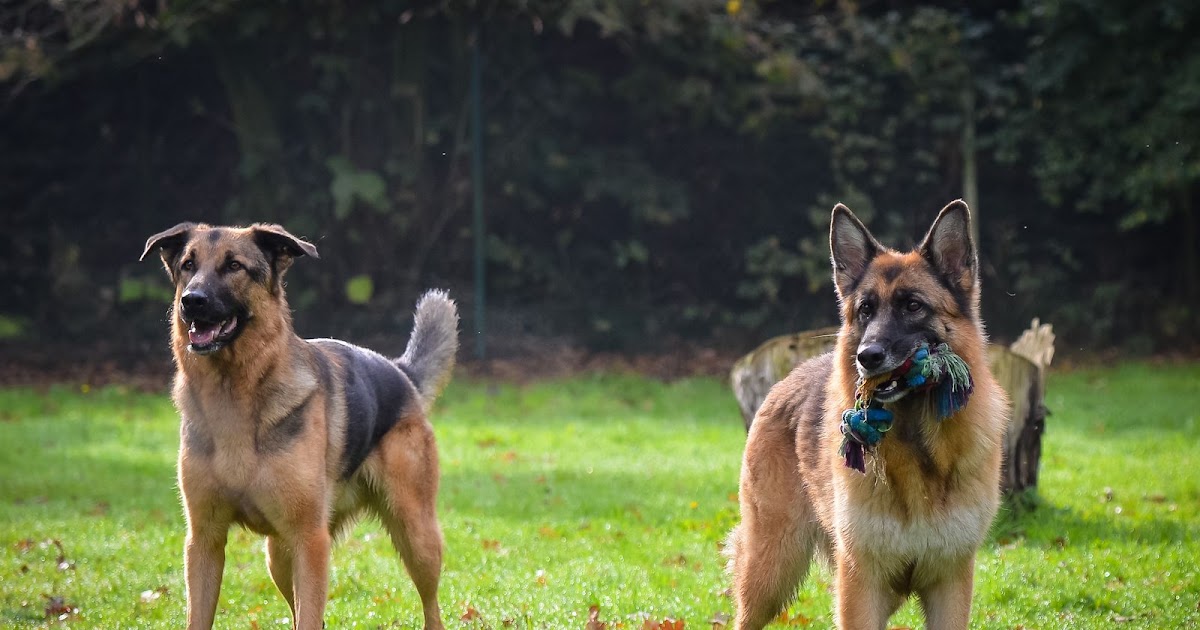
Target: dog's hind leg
{"points": [[771, 550], [407, 482], [279, 563]]}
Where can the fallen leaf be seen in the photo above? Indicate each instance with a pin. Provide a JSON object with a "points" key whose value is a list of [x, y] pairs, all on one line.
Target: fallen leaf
{"points": [[719, 621], [593, 622], [677, 561], [61, 561], [25, 545], [58, 608], [789, 620], [469, 614], [491, 545], [1157, 498]]}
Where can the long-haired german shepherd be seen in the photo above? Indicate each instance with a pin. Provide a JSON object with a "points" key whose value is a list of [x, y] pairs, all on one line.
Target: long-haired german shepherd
{"points": [[294, 438], [913, 523]]}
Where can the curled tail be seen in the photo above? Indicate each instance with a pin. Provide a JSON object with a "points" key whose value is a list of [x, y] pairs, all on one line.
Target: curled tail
{"points": [[429, 357]]}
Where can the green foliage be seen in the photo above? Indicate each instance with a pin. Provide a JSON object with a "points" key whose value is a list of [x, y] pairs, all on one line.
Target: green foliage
{"points": [[12, 327], [359, 289], [618, 490], [675, 158], [350, 184]]}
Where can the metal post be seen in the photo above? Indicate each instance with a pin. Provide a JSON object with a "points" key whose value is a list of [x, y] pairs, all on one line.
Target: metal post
{"points": [[477, 190]]}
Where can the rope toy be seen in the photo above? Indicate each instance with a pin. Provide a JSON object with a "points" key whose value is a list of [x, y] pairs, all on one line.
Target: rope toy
{"points": [[935, 369]]}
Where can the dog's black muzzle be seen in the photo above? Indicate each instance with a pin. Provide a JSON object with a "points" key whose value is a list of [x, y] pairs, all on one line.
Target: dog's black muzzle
{"points": [[213, 323]]}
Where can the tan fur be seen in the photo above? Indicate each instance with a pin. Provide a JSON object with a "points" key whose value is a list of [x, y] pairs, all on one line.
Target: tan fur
{"points": [[230, 400], [913, 523]]}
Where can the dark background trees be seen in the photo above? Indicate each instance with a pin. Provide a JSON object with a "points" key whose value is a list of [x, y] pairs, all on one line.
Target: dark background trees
{"points": [[655, 172]]}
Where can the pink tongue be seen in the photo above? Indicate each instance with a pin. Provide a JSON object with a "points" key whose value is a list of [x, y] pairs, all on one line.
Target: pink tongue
{"points": [[200, 336]]}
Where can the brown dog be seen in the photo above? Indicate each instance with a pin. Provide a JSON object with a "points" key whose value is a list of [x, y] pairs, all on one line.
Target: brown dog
{"points": [[290, 438], [913, 522]]}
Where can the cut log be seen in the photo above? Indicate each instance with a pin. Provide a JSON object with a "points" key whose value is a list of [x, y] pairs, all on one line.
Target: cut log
{"points": [[1020, 370], [754, 374]]}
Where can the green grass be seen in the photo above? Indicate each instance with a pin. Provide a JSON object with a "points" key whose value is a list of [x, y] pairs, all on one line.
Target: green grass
{"points": [[609, 490]]}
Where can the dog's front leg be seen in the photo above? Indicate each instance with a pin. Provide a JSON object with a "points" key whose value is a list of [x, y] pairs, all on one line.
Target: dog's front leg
{"points": [[863, 601], [310, 576], [947, 603], [204, 560]]}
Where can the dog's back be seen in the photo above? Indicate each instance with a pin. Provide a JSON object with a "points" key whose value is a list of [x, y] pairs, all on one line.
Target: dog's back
{"points": [[375, 390]]}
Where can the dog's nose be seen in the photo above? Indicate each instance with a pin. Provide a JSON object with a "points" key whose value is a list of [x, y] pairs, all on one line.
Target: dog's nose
{"points": [[871, 356], [193, 299]]}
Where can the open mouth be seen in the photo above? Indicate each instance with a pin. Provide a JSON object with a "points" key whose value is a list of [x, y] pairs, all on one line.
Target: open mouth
{"points": [[890, 391], [208, 337]]}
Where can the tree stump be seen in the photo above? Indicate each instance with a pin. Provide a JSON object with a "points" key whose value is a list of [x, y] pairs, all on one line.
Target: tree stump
{"points": [[1020, 370]]}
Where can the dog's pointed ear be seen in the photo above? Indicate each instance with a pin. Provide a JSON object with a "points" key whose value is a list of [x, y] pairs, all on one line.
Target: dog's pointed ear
{"points": [[851, 248], [280, 246], [949, 248], [169, 244]]}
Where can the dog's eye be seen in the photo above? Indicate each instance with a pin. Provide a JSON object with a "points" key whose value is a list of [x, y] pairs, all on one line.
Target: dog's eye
{"points": [[234, 265], [865, 310], [913, 306], [188, 265]]}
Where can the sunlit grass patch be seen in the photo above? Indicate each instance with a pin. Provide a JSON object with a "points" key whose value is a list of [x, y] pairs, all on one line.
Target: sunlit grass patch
{"points": [[611, 490]]}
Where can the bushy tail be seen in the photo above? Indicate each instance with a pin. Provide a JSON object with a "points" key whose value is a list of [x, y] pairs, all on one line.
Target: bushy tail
{"points": [[429, 357]]}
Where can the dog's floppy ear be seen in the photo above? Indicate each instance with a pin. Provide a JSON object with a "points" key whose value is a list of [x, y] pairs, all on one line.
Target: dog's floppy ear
{"points": [[169, 244], [948, 247], [280, 246], [851, 249]]}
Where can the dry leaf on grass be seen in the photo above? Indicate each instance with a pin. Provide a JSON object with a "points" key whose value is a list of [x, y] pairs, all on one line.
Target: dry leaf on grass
{"points": [[666, 624], [152, 595], [469, 614], [57, 608], [789, 620], [593, 622]]}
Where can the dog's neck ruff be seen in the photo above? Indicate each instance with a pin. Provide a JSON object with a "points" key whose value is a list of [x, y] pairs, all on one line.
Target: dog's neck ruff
{"points": [[937, 370]]}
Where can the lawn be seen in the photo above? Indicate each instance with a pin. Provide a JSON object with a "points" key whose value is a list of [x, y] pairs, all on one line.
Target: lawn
{"points": [[611, 490]]}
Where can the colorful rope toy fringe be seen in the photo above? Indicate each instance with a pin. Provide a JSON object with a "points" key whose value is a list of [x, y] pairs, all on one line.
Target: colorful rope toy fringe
{"points": [[930, 369]]}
